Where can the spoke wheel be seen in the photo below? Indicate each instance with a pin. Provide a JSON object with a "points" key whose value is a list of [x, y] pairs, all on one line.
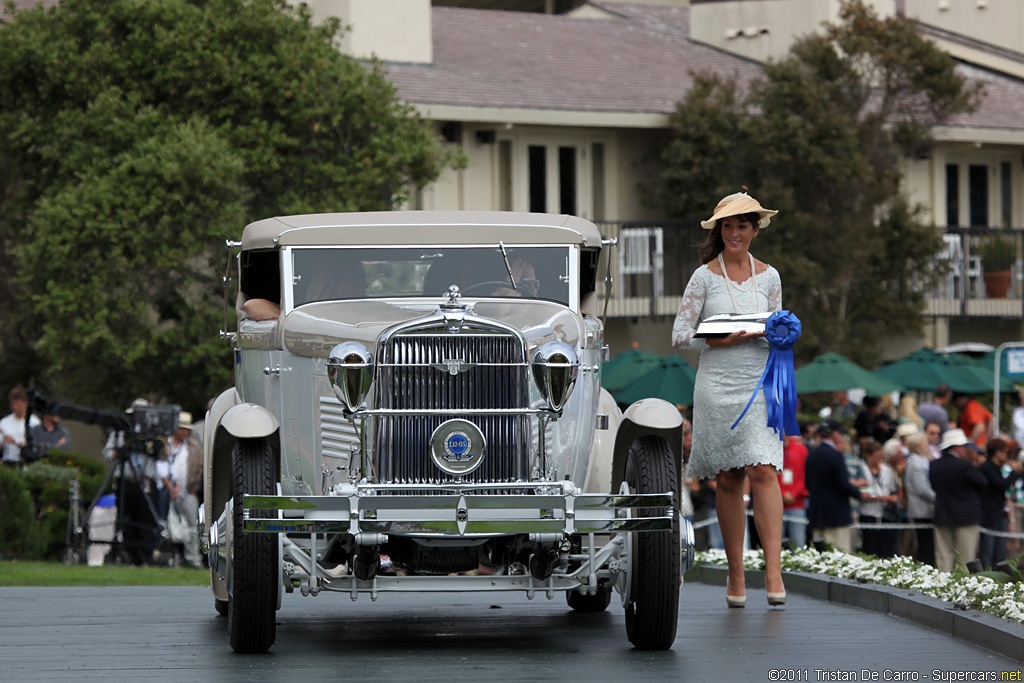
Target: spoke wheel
{"points": [[254, 572], [652, 609]]}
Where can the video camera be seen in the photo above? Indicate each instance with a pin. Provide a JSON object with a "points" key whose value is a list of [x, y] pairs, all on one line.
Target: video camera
{"points": [[140, 423], [153, 422]]}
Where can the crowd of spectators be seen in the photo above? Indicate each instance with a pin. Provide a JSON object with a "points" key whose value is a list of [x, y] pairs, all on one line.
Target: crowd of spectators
{"points": [[911, 481]]}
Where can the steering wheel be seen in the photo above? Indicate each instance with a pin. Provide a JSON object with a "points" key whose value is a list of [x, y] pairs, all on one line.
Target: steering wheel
{"points": [[491, 285]]}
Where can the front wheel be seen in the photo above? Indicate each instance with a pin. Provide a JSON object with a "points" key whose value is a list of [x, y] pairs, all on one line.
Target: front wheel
{"points": [[255, 571], [652, 611]]}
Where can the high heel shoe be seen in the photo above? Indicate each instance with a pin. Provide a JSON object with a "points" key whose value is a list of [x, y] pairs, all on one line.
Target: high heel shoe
{"points": [[776, 599], [736, 600]]}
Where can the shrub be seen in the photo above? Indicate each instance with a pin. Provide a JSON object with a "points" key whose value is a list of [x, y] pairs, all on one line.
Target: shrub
{"points": [[20, 533]]}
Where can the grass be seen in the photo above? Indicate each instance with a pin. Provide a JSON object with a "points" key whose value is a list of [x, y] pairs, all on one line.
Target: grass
{"points": [[15, 573]]}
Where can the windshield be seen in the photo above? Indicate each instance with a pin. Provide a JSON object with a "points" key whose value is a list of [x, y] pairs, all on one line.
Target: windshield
{"points": [[328, 273]]}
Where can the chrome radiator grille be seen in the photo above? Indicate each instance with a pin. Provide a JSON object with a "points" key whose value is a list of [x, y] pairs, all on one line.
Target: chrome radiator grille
{"points": [[451, 372]]}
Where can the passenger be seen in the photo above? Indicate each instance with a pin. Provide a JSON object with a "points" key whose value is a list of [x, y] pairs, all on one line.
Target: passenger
{"points": [[348, 281]]}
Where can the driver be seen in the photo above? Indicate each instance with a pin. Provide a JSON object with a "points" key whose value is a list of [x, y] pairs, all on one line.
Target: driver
{"points": [[525, 277]]}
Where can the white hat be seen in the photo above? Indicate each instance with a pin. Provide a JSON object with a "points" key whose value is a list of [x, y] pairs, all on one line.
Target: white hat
{"points": [[907, 429], [185, 420], [953, 437]]}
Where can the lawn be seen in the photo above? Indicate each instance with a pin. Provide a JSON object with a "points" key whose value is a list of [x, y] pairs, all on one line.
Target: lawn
{"points": [[15, 573]]}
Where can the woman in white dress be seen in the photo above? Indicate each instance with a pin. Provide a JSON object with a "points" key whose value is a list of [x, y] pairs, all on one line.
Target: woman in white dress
{"points": [[731, 280]]}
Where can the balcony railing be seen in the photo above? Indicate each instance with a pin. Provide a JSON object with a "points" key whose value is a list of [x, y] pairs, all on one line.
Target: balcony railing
{"points": [[654, 261]]}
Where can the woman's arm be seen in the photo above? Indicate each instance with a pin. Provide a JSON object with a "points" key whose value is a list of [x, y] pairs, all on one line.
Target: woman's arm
{"points": [[688, 316]]}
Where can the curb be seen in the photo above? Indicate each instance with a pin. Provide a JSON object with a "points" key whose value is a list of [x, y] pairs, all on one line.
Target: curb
{"points": [[977, 628]]}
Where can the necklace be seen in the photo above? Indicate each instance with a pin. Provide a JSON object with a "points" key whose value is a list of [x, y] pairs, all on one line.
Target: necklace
{"points": [[751, 301]]}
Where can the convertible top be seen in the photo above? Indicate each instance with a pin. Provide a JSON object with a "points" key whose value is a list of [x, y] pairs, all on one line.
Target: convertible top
{"points": [[420, 227]]}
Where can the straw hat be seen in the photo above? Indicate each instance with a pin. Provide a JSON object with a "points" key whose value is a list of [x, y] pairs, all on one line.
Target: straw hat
{"points": [[736, 205]]}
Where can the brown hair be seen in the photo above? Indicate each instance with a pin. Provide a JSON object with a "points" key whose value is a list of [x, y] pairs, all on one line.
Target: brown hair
{"points": [[17, 394], [994, 445], [714, 244]]}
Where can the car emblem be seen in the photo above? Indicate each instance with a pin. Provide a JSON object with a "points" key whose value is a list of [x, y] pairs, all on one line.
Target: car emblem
{"points": [[453, 366], [458, 447]]}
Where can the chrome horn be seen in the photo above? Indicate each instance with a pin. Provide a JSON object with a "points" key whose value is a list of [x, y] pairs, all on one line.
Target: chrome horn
{"points": [[555, 366], [350, 371]]}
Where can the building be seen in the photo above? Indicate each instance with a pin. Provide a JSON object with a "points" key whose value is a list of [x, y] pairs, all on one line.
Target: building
{"points": [[560, 112]]}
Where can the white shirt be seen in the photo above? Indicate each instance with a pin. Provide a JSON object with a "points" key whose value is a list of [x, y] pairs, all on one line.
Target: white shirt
{"points": [[1018, 424], [15, 428], [177, 460]]}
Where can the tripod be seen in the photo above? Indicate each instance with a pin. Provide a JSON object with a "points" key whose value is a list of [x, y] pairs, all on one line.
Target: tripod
{"points": [[138, 530]]}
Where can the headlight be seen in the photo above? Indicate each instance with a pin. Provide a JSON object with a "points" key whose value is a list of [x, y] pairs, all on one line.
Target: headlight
{"points": [[350, 370], [554, 370]]}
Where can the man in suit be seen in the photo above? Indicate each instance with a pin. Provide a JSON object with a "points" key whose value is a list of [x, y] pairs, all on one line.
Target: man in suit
{"points": [[958, 489], [830, 488]]}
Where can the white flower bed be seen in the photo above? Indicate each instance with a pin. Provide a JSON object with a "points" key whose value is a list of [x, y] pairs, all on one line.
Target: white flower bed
{"points": [[972, 591]]}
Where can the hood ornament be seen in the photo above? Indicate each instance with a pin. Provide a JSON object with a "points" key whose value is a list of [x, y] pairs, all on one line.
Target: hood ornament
{"points": [[453, 311]]}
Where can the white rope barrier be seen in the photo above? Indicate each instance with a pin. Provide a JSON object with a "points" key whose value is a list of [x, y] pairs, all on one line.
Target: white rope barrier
{"points": [[876, 525]]}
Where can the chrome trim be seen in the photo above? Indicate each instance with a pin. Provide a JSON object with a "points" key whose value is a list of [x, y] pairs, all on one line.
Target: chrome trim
{"points": [[457, 515], [555, 366], [350, 372], [416, 391]]}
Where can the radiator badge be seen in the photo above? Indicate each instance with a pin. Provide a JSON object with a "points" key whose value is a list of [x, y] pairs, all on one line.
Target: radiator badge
{"points": [[458, 447], [453, 366]]}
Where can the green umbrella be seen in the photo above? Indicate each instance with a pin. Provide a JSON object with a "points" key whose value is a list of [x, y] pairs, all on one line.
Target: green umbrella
{"points": [[988, 363], [627, 366], [974, 371], [925, 370], [834, 372], [672, 380]]}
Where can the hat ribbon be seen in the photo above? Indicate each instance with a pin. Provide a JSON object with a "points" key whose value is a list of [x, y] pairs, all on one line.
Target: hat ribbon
{"points": [[779, 378]]}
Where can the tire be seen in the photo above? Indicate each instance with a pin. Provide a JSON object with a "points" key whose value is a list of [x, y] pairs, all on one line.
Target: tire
{"points": [[221, 607], [73, 556], [590, 603], [255, 571], [653, 610]]}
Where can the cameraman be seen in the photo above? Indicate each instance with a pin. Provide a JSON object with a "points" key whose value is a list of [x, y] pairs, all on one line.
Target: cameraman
{"points": [[136, 491]]}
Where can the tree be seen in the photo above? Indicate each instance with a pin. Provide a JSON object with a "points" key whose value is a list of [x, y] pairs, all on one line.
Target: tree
{"points": [[135, 138], [822, 137]]}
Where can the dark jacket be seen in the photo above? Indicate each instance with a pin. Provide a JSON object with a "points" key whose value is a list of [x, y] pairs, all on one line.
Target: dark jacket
{"points": [[958, 489], [828, 484], [993, 501]]}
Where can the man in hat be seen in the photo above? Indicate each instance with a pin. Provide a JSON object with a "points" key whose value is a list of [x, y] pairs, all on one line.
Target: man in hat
{"points": [[958, 487], [181, 448], [830, 489]]}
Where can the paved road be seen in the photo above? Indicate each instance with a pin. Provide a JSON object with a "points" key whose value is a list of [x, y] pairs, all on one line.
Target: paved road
{"points": [[156, 634]]}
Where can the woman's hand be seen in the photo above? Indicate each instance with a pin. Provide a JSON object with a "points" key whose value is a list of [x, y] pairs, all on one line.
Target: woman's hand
{"points": [[733, 339]]}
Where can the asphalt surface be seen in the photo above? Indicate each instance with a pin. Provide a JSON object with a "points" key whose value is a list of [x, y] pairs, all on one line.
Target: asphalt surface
{"points": [[173, 633]]}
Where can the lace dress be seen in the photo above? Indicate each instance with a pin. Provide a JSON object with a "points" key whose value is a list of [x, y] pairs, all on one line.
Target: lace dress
{"points": [[726, 377]]}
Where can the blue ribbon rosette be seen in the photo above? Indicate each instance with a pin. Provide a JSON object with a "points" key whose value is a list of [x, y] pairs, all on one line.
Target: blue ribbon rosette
{"points": [[779, 379]]}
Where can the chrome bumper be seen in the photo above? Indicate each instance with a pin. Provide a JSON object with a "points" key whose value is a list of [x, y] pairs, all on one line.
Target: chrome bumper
{"points": [[457, 511]]}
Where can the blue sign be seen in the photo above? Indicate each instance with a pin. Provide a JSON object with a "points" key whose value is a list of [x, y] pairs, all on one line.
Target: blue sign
{"points": [[1015, 361], [456, 444]]}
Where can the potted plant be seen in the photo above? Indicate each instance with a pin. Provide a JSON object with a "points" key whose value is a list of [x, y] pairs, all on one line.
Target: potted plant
{"points": [[998, 253]]}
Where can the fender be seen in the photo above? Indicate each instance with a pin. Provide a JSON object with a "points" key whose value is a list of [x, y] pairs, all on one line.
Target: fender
{"points": [[228, 420], [649, 416], [602, 451]]}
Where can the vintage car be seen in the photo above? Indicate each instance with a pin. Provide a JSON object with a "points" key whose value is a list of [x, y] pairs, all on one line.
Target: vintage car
{"points": [[422, 410]]}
